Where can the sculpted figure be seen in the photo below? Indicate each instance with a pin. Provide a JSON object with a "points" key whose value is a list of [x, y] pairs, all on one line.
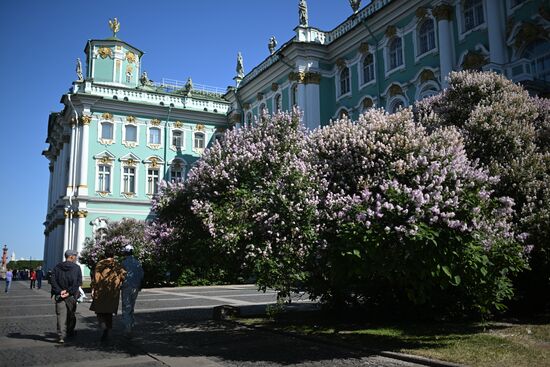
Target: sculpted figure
{"points": [[240, 67], [355, 5], [79, 70], [272, 45], [302, 11]]}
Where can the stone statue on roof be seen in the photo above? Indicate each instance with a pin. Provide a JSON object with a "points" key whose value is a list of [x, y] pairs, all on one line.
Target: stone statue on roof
{"points": [[114, 24], [302, 12], [240, 67], [189, 85], [355, 5], [79, 70], [272, 45], [144, 79]]}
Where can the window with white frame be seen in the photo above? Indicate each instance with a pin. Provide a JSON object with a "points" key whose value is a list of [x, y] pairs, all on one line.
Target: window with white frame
{"points": [[130, 133], [473, 14], [344, 81], [129, 180], [199, 140], [277, 105], [395, 53], [177, 170], [426, 37], [153, 176], [539, 53], [396, 105], [154, 135], [177, 139], [104, 178], [107, 130], [368, 68]]}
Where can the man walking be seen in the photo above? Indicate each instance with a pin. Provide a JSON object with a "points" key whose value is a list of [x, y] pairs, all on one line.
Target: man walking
{"points": [[66, 280], [9, 277], [130, 288], [39, 276]]}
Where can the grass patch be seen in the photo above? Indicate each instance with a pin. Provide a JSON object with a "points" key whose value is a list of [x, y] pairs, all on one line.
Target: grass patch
{"points": [[517, 344]]}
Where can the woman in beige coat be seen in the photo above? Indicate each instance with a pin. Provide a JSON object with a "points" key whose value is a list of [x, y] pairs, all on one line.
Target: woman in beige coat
{"points": [[106, 281]]}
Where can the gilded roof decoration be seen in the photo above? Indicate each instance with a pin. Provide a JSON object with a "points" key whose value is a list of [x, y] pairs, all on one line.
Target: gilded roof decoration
{"points": [[131, 119], [105, 52], [178, 124], [85, 119], [107, 116], [155, 122], [131, 57], [199, 127]]}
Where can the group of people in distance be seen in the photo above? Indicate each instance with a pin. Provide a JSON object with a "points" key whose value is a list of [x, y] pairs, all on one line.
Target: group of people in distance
{"points": [[35, 276], [109, 279]]}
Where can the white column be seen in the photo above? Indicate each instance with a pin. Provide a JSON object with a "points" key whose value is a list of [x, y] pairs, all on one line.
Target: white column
{"points": [[312, 116], [443, 14], [84, 149], [301, 100], [81, 227], [495, 28]]}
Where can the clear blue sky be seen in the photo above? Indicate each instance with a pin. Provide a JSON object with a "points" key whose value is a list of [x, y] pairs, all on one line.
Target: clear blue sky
{"points": [[40, 41]]}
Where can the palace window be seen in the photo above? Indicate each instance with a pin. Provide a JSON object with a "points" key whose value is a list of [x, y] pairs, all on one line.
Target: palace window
{"points": [[154, 135], [368, 68], [104, 178], [277, 103], [106, 130], [177, 138], [199, 141], [249, 119], [539, 53], [473, 14], [130, 133], [343, 113], [426, 37], [152, 181], [129, 180], [344, 81], [262, 109], [395, 53], [177, 170], [396, 105]]}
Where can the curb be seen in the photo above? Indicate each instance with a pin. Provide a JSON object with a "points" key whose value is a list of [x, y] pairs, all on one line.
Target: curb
{"points": [[394, 355]]}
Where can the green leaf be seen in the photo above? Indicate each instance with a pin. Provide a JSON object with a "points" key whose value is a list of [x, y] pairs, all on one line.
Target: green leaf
{"points": [[446, 270]]}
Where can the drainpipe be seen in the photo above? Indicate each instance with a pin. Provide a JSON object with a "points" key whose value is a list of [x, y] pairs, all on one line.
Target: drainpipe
{"points": [[166, 143], [364, 22]]}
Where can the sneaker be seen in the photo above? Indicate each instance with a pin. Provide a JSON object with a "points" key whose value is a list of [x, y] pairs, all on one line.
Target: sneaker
{"points": [[61, 341]]}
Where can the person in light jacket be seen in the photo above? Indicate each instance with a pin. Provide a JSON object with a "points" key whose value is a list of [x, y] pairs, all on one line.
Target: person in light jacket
{"points": [[130, 288], [107, 279]]}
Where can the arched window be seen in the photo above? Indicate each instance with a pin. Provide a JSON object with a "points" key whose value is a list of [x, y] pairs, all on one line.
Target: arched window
{"points": [[199, 140], [426, 37], [343, 113], [368, 68], [248, 121], [395, 53], [539, 53], [177, 170], [261, 109], [396, 105], [473, 14], [366, 104], [106, 130], [344, 81], [177, 138], [277, 106]]}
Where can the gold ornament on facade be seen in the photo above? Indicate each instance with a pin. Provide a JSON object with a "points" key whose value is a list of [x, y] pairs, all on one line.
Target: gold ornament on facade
{"points": [[443, 12], [426, 75], [391, 31], [236, 118], [341, 63], [246, 106], [105, 160], [155, 122], [312, 78], [82, 213], [129, 69], [105, 52], [274, 87], [178, 124], [130, 162], [298, 77], [259, 96], [368, 103], [107, 116], [66, 214], [86, 119], [131, 57], [364, 48], [154, 163], [131, 119], [421, 13], [114, 24], [528, 33], [199, 127], [473, 61], [395, 90]]}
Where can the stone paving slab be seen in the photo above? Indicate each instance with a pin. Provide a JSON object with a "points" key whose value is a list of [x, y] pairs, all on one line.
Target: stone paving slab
{"points": [[184, 336]]}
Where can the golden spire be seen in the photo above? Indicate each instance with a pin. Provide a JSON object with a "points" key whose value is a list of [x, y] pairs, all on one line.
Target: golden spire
{"points": [[115, 26]]}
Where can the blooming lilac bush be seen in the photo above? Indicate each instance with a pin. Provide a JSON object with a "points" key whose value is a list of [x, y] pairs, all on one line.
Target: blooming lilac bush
{"points": [[409, 219], [509, 133]]}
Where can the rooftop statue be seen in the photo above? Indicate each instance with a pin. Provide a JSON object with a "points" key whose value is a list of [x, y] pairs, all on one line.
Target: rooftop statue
{"points": [[79, 70], [189, 85], [144, 79], [115, 26], [355, 5], [302, 12], [240, 67], [272, 45]]}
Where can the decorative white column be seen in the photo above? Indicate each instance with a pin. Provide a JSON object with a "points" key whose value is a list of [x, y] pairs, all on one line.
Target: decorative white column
{"points": [[80, 231], [312, 113], [84, 149], [496, 28], [443, 13], [71, 179]]}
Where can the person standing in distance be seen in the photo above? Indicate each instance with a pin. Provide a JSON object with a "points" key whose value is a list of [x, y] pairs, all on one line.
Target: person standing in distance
{"points": [[39, 276], [66, 280], [130, 288], [9, 277]]}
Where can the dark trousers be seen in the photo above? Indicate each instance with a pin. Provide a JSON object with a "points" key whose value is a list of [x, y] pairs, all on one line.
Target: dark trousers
{"points": [[33, 283], [66, 319], [39, 283], [105, 320]]}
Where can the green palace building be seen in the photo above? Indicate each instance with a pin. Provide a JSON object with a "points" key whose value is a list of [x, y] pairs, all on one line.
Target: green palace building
{"points": [[119, 133]]}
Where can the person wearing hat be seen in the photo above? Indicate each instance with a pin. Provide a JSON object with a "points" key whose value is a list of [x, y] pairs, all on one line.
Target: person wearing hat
{"points": [[130, 288], [66, 281]]}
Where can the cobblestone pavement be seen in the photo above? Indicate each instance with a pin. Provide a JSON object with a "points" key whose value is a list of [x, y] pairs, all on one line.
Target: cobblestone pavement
{"points": [[174, 328]]}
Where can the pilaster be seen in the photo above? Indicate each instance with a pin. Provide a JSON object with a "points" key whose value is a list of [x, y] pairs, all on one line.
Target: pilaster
{"points": [[496, 31], [443, 13], [84, 149]]}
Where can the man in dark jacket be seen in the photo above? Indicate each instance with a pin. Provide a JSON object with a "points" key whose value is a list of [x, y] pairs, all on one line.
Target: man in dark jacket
{"points": [[66, 280]]}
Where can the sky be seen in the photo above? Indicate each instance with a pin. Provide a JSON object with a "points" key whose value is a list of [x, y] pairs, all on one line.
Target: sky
{"points": [[41, 40]]}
